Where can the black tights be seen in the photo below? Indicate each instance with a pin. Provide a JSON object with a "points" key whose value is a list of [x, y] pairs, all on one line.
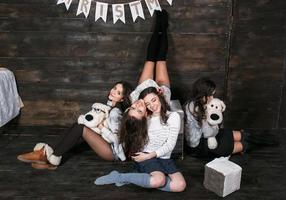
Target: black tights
{"points": [[158, 45], [72, 137]]}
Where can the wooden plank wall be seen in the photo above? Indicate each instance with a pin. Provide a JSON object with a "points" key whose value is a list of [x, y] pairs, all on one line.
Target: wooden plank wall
{"points": [[256, 92], [63, 62]]}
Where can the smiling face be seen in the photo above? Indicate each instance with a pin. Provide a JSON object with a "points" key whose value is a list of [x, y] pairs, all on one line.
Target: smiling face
{"points": [[153, 103], [138, 109], [116, 93]]}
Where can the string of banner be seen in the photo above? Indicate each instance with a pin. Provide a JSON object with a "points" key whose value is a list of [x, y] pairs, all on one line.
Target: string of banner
{"points": [[118, 10]]}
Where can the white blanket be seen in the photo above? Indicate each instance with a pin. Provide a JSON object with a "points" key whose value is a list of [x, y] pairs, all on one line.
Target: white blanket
{"points": [[10, 101]]}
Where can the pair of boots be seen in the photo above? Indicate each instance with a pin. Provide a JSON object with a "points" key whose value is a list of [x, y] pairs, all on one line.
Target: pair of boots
{"points": [[41, 158]]}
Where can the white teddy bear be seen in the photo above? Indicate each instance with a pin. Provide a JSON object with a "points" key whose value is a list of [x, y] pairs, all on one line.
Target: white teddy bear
{"points": [[214, 117], [96, 116]]}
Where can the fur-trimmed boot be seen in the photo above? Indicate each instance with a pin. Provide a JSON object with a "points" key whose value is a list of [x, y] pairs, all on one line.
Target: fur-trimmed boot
{"points": [[44, 166], [42, 154], [37, 155]]}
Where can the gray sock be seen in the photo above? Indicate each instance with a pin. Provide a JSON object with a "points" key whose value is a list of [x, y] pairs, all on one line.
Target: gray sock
{"points": [[119, 179], [140, 179], [110, 178], [166, 187]]}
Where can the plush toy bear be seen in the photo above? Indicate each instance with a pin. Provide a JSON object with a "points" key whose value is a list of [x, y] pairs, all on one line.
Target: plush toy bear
{"points": [[96, 116], [214, 117]]}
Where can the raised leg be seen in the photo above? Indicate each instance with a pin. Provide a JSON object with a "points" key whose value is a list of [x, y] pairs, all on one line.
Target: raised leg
{"points": [[148, 71], [152, 51], [162, 76]]}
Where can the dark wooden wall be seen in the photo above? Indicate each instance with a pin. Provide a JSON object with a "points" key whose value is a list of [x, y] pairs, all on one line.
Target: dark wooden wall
{"points": [[256, 93], [63, 62]]}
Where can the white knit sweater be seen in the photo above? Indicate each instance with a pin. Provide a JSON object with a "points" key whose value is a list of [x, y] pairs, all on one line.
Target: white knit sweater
{"points": [[163, 138]]}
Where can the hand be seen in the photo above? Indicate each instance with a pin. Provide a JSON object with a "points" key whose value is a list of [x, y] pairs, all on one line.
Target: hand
{"points": [[160, 91], [141, 156], [100, 126]]}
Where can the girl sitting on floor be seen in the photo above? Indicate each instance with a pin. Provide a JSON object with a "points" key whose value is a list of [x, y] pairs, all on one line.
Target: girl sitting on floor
{"points": [[149, 131]]}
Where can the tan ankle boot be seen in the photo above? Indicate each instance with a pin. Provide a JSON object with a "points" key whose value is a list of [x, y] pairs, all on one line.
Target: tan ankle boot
{"points": [[37, 156], [44, 166]]}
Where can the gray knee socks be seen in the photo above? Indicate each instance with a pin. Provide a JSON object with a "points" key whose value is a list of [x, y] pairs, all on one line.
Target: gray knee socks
{"points": [[166, 187], [119, 179], [140, 179]]}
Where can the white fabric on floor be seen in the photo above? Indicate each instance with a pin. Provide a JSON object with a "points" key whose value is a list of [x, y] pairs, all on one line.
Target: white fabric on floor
{"points": [[10, 101]]}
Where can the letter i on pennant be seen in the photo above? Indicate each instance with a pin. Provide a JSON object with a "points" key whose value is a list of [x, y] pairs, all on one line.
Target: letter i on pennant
{"points": [[101, 11]]}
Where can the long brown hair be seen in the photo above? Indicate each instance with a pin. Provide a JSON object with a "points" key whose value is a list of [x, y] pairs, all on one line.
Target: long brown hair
{"points": [[202, 88], [164, 105], [133, 134]]}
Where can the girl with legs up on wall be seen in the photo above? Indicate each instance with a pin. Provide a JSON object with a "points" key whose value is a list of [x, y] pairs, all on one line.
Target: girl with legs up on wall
{"points": [[149, 131]]}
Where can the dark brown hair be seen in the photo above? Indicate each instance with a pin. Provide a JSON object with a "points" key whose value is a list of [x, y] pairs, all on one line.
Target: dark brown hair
{"points": [[127, 89], [133, 134], [202, 88]]}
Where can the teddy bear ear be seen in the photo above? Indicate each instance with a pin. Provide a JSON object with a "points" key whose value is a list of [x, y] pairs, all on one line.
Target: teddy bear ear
{"points": [[223, 106]]}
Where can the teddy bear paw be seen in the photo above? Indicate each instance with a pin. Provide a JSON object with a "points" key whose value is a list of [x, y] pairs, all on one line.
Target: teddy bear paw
{"points": [[212, 143]]}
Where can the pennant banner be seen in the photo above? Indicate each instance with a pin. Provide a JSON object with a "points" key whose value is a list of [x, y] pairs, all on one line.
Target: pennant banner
{"points": [[170, 2], [101, 11], [84, 7], [67, 3], [136, 10], [152, 5], [118, 10]]}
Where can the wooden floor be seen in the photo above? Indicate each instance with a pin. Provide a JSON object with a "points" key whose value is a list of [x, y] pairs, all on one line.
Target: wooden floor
{"points": [[263, 174]]}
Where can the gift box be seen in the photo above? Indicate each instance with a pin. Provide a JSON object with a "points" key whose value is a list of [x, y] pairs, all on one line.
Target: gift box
{"points": [[222, 176]]}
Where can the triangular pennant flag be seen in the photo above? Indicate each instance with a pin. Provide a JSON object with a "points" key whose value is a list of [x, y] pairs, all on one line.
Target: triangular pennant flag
{"points": [[170, 2], [67, 3], [101, 11], [152, 5], [84, 7], [136, 10], [118, 12]]}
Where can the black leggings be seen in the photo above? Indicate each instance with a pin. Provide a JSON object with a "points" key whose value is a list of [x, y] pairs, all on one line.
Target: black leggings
{"points": [[72, 137]]}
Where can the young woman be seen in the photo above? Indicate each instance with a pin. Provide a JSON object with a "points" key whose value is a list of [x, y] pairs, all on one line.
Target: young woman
{"points": [[49, 157], [229, 141], [149, 130]]}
